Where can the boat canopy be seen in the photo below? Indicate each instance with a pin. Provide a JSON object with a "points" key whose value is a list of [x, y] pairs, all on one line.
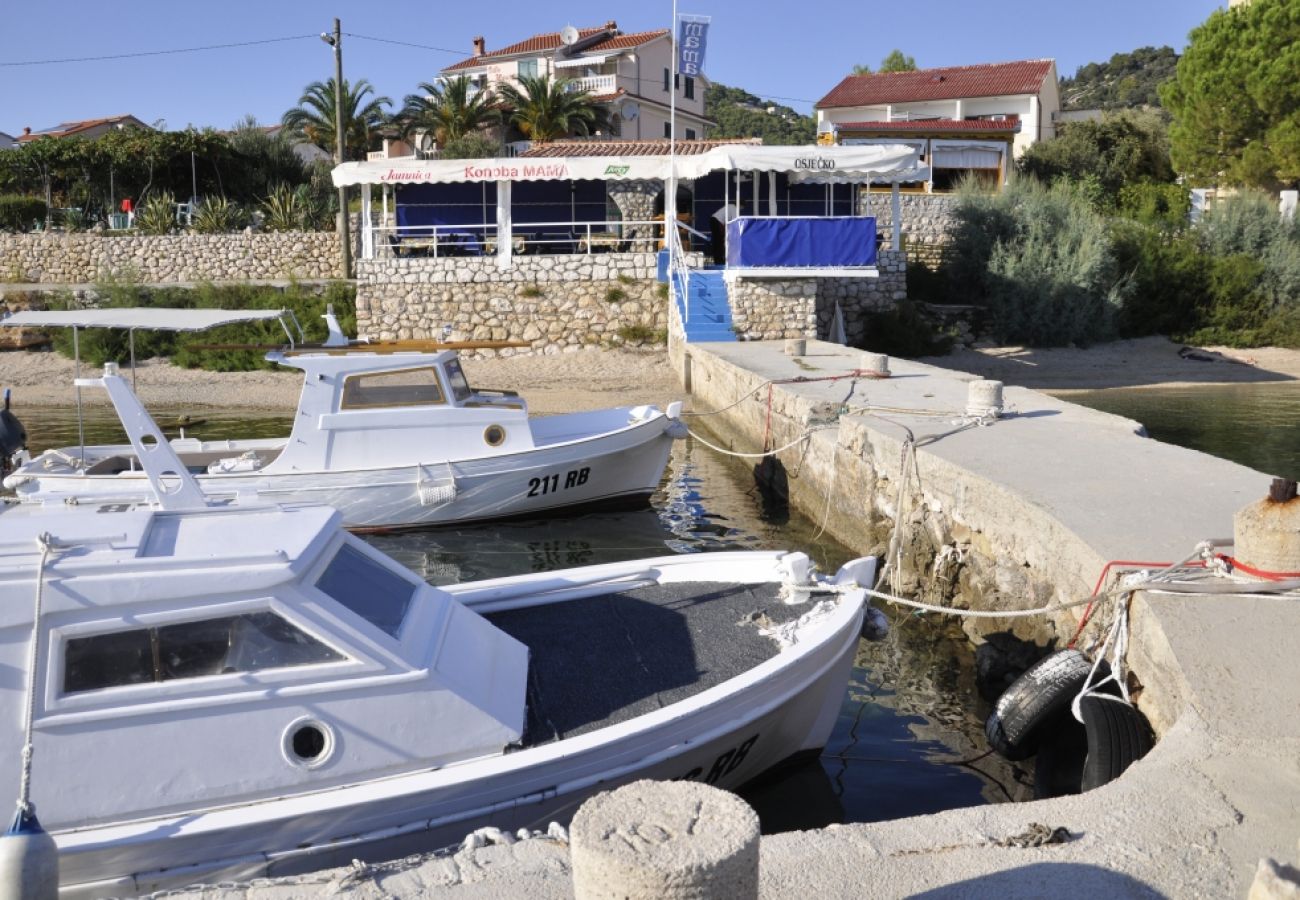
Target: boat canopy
{"points": [[152, 318], [878, 163]]}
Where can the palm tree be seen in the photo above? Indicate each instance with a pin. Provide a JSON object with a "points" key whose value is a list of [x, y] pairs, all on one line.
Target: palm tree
{"points": [[544, 109], [312, 119], [448, 110]]}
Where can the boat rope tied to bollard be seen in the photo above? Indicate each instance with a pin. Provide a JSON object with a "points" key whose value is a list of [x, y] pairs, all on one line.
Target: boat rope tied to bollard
{"points": [[29, 858]]}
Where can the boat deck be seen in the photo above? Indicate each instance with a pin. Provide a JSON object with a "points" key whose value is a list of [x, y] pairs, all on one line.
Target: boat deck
{"points": [[608, 659]]}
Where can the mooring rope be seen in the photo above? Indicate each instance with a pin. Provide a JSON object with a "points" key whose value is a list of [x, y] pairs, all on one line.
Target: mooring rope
{"points": [[47, 546]]}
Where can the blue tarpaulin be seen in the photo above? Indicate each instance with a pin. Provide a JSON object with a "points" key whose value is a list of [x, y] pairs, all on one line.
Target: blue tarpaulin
{"points": [[849, 241]]}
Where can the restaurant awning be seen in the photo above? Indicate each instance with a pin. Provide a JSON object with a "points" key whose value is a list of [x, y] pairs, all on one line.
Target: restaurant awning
{"points": [[152, 318]]}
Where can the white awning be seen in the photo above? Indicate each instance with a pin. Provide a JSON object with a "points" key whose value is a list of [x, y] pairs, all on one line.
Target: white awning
{"points": [[968, 154], [154, 319], [593, 60], [881, 163]]}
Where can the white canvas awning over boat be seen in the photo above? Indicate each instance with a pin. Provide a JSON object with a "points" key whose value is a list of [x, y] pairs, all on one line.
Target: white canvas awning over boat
{"points": [[152, 318]]}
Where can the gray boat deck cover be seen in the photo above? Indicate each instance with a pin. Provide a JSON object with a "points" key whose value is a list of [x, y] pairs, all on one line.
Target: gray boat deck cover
{"points": [[607, 659]]}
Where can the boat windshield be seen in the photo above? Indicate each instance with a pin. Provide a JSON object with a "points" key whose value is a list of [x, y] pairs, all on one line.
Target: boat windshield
{"points": [[406, 387], [456, 378], [367, 588]]}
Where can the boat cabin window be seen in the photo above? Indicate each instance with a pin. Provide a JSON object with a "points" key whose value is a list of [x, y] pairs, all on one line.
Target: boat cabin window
{"points": [[456, 378], [245, 643], [409, 387], [375, 593]]}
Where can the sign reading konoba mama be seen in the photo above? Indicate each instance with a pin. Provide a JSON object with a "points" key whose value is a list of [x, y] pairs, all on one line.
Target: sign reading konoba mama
{"points": [[475, 172]]}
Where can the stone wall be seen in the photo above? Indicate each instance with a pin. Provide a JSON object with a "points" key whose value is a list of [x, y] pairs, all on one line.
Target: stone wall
{"points": [[83, 258], [766, 309], [559, 303], [925, 220]]}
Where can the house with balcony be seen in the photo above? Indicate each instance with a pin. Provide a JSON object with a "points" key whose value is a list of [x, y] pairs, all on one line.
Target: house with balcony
{"points": [[966, 120], [629, 73]]}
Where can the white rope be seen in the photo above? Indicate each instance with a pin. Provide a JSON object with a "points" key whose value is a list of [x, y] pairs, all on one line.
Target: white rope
{"points": [[46, 545], [803, 437]]}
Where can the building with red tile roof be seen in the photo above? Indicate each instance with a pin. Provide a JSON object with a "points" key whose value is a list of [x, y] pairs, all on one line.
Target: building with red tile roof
{"points": [[627, 72], [965, 118], [85, 128]]}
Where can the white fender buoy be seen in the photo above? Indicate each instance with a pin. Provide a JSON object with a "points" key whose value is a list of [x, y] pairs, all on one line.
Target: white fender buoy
{"points": [[29, 861]]}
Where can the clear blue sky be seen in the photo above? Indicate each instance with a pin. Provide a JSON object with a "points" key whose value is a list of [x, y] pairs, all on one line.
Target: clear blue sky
{"points": [[796, 51]]}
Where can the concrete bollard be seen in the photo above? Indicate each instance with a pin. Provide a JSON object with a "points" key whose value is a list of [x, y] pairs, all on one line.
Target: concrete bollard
{"points": [[795, 346], [665, 840], [984, 398], [874, 364], [1266, 534]]}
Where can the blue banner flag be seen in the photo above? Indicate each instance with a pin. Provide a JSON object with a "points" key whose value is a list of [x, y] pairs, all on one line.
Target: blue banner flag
{"points": [[693, 34]]}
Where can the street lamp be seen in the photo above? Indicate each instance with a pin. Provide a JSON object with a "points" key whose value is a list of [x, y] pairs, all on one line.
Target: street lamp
{"points": [[335, 40]]}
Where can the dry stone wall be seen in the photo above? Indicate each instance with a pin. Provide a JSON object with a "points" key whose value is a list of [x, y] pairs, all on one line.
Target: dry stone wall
{"points": [[84, 258], [559, 303], [925, 220]]}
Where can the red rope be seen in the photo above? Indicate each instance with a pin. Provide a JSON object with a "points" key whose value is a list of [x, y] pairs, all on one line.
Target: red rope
{"points": [[1101, 579], [1257, 573]]}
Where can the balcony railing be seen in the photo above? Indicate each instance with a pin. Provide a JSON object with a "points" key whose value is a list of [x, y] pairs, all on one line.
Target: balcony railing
{"points": [[596, 84]]}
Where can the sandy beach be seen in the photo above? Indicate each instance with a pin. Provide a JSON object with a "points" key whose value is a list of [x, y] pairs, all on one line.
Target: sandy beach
{"points": [[588, 379], [591, 379], [1141, 362]]}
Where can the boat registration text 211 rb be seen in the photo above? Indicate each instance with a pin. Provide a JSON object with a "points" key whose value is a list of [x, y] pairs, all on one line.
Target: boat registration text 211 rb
{"points": [[549, 484]]}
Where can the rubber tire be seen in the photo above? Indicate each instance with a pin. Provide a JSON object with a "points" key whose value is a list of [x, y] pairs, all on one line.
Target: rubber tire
{"points": [[1035, 702], [1118, 736], [1058, 765]]}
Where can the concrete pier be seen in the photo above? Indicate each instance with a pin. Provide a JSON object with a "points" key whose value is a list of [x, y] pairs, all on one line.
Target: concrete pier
{"points": [[1034, 504]]}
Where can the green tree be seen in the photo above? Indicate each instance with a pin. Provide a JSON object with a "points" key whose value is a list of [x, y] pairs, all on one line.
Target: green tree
{"points": [[1126, 81], [449, 110], [1123, 148], [1236, 100], [312, 120], [544, 109], [739, 114], [861, 69], [897, 61]]}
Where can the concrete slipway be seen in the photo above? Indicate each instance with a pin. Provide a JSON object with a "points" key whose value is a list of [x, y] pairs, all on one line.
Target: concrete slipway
{"points": [[1051, 491]]}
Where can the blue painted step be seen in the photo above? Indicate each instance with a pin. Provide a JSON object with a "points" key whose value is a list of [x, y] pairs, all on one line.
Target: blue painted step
{"points": [[710, 310]]}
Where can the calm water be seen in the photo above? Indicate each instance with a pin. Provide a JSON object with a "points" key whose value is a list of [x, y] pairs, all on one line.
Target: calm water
{"points": [[911, 706], [1257, 425]]}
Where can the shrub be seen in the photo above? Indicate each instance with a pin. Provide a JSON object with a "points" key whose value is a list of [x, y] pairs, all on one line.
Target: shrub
{"points": [[1163, 205], [642, 334], [615, 295], [530, 291], [19, 212], [287, 209], [470, 146], [903, 331], [157, 215], [217, 215], [1040, 259]]}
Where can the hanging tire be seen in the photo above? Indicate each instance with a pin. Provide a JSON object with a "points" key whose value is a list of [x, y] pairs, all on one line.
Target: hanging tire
{"points": [[1035, 703], [1118, 736]]}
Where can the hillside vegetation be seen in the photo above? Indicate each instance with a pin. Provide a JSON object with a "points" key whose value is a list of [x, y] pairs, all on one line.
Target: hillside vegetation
{"points": [[1128, 80], [742, 114]]}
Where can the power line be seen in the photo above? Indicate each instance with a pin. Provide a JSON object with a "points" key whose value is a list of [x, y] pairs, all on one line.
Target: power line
{"points": [[78, 59], [367, 37]]}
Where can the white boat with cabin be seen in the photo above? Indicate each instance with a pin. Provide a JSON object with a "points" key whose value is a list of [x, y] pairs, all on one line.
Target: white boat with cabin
{"points": [[229, 691], [391, 435]]}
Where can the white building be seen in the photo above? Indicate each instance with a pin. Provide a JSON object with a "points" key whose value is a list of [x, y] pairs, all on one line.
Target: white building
{"points": [[629, 73]]}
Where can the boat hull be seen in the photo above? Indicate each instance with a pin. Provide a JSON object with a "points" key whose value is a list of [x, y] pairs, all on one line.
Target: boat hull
{"points": [[725, 736], [622, 465]]}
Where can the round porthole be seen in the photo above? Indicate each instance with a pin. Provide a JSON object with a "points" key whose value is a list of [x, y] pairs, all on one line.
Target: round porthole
{"points": [[495, 435], [308, 743]]}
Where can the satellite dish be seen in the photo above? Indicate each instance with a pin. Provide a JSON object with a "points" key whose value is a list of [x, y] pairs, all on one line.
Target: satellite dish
{"points": [[568, 36], [630, 110]]}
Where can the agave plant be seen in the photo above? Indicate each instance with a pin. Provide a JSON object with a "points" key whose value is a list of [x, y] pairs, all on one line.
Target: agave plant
{"points": [[157, 215], [217, 215], [282, 209]]}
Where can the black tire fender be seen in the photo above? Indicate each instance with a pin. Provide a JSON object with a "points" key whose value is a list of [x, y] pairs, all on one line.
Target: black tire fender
{"points": [[1035, 702], [1118, 736]]}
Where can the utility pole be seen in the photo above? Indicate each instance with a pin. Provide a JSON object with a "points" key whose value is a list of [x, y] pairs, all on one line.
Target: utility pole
{"points": [[335, 40]]}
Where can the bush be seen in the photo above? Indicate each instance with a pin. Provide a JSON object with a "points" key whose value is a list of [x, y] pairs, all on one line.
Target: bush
{"points": [[20, 213], [292, 209], [903, 332], [1163, 205], [101, 345], [471, 146], [642, 334], [615, 295], [157, 215], [1041, 261], [217, 215]]}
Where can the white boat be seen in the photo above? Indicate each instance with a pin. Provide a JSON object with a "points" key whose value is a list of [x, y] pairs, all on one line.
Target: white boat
{"points": [[388, 435], [227, 691]]}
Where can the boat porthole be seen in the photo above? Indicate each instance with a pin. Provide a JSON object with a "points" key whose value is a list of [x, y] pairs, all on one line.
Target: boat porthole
{"points": [[495, 435], [307, 743]]}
